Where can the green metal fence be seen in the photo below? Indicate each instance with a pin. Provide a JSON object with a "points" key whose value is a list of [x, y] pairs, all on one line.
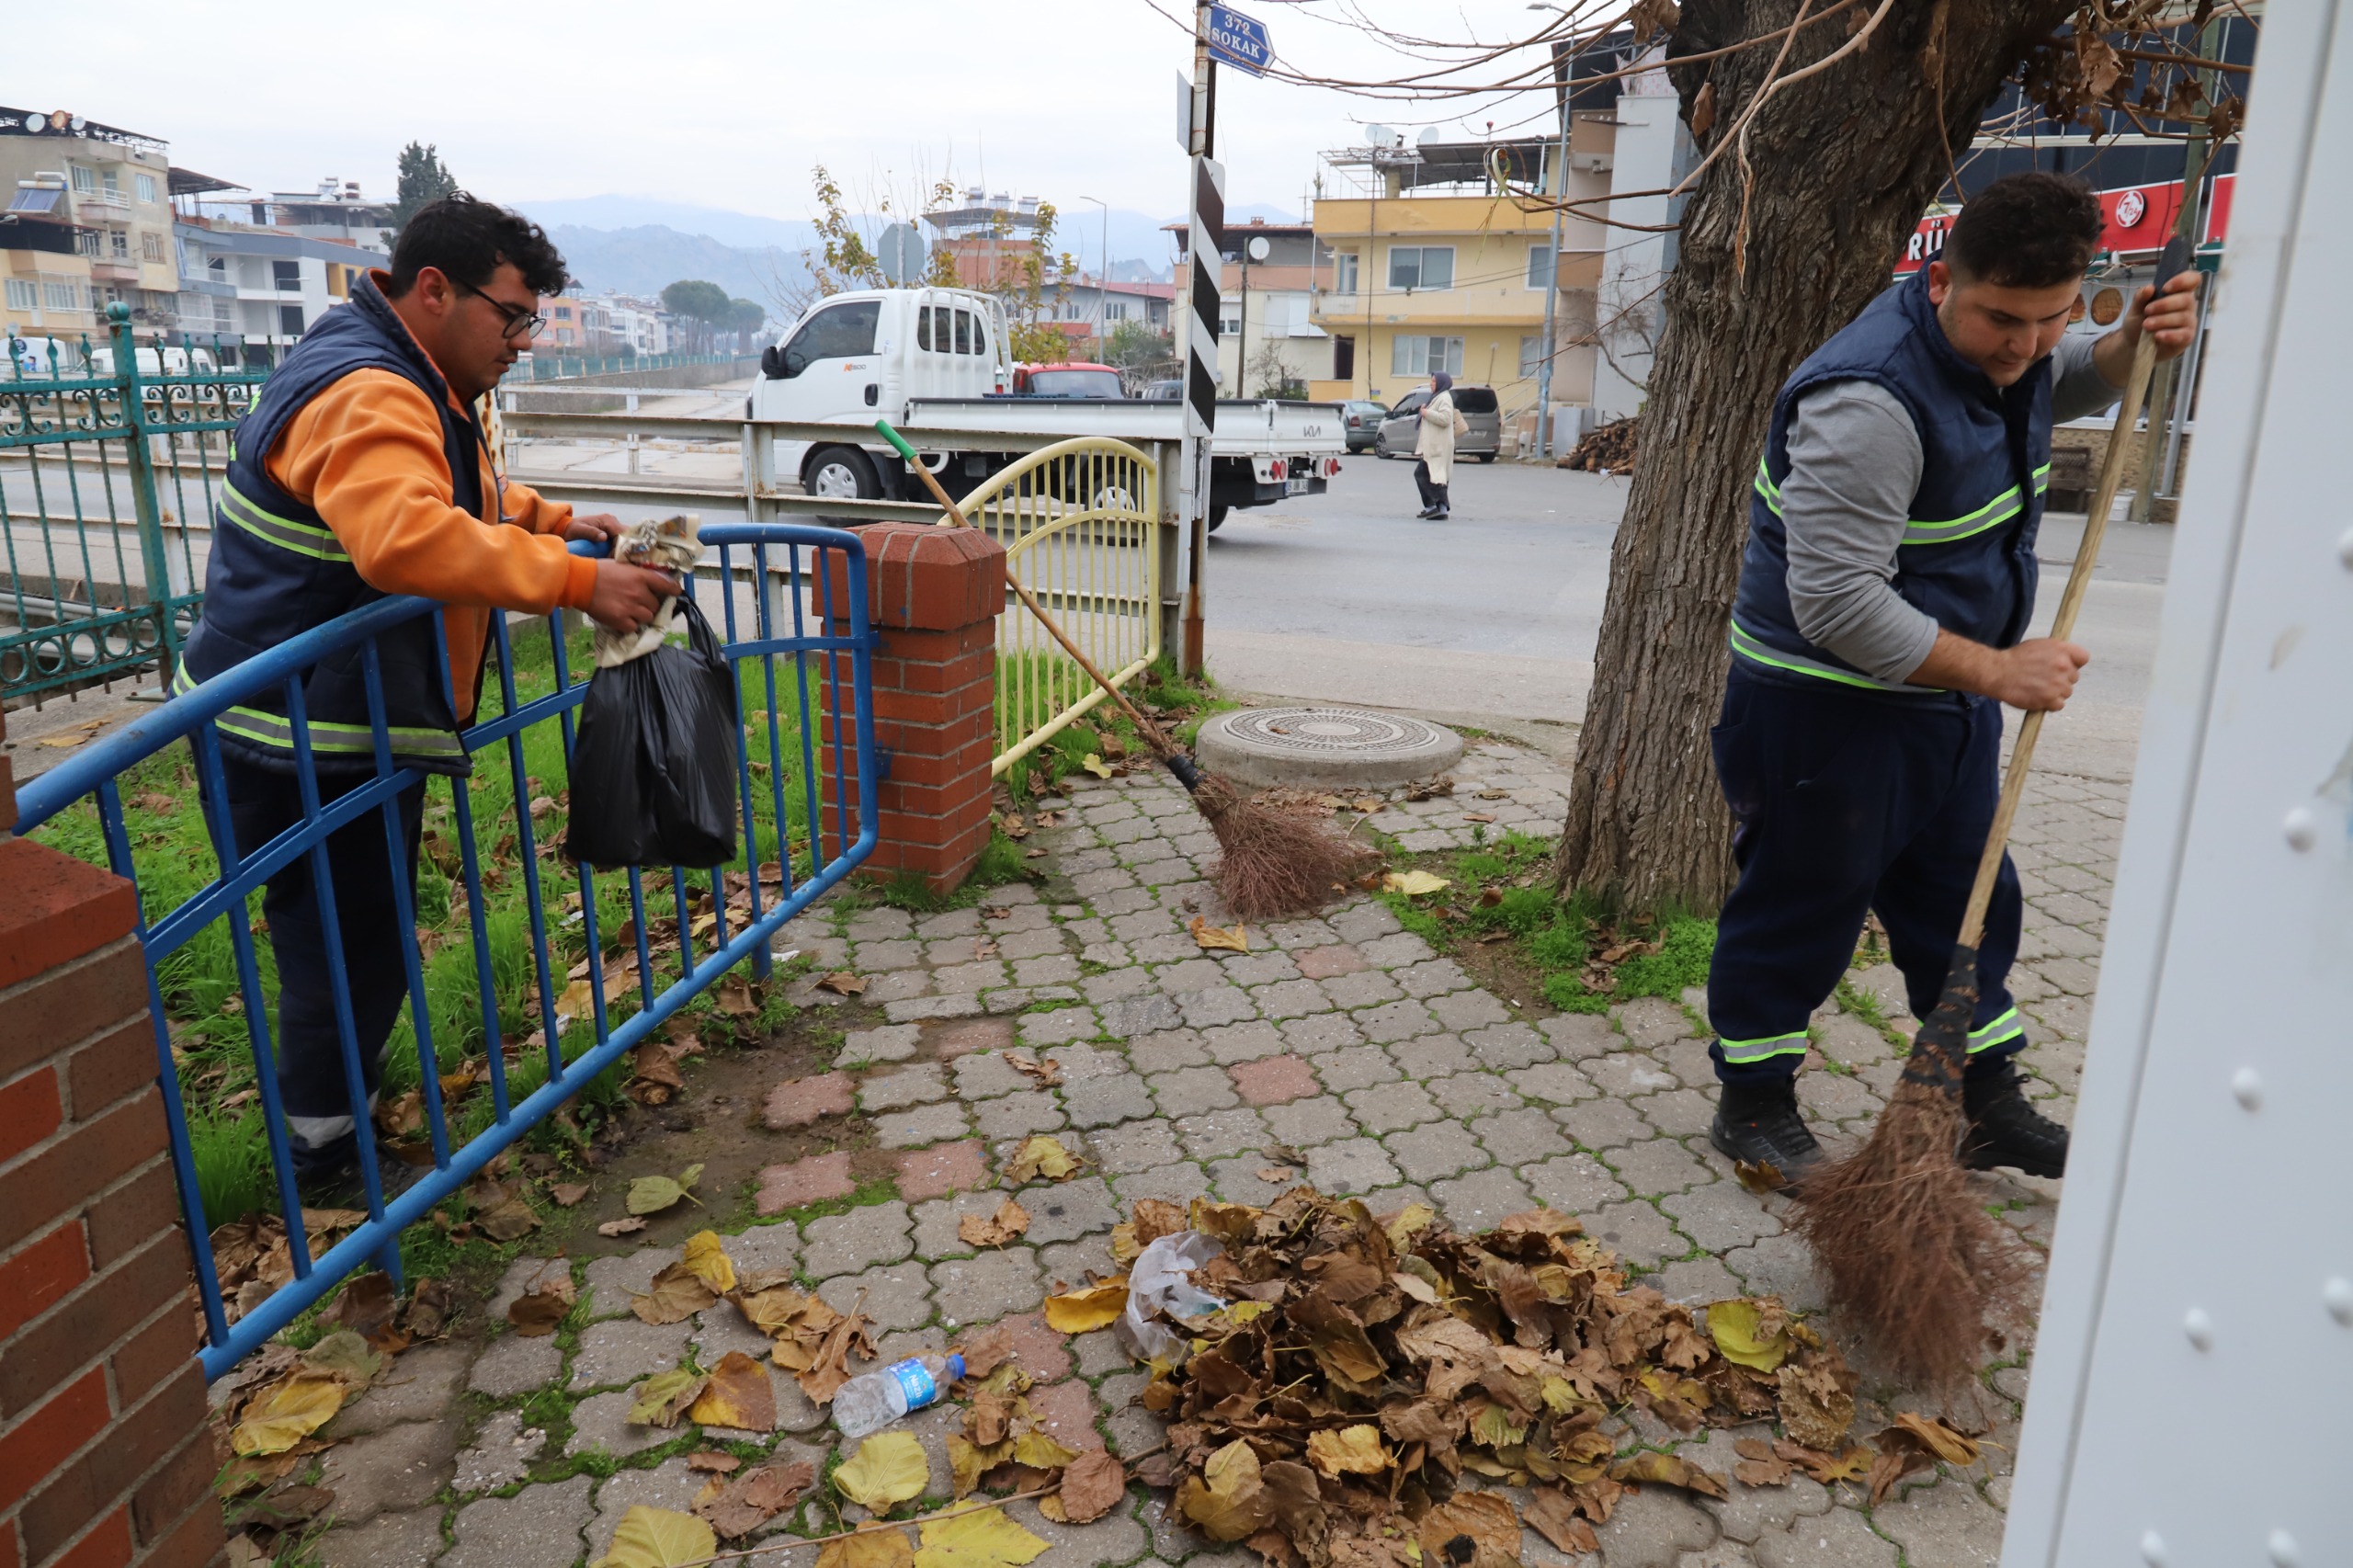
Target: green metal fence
{"points": [[110, 455]]}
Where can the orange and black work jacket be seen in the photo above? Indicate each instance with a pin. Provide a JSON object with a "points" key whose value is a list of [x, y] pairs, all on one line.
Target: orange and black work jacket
{"points": [[359, 474]]}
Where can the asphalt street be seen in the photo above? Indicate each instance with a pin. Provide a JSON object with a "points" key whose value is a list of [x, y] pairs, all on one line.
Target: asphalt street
{"points": [[1492, 614]]}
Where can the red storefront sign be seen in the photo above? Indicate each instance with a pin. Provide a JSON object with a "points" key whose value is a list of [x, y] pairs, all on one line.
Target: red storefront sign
{"points": [[2138, 218]]}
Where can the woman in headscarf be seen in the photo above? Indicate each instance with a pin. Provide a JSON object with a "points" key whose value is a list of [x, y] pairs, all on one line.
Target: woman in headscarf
{"points": [[1434, 446]]}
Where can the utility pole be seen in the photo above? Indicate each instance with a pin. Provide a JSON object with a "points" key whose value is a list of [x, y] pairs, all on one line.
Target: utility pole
{"points": [[1560, 61], [1205, 242]]}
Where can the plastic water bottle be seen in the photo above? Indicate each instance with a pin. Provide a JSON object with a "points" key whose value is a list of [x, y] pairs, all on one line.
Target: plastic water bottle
{"points": [[870, 1402]]}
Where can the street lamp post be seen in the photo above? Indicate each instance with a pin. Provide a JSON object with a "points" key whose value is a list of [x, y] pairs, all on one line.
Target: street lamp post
{"points": [[1552, 269], [1102, 286]]}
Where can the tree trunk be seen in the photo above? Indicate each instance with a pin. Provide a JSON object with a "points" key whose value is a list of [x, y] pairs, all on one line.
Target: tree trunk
{"points": [[1844, 163]]}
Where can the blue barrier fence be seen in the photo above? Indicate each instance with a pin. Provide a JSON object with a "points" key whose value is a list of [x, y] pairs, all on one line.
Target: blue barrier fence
{"points": [[795, 583]]}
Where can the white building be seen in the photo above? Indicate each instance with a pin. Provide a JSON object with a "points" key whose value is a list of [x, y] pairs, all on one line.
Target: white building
{"points": [[259, 289]]}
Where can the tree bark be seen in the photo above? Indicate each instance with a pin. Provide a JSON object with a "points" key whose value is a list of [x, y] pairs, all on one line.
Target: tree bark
{"points": [[1843, 164]]}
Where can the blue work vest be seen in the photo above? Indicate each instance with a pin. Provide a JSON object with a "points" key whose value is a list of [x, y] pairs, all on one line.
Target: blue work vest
{"points": [[1967, 556], [276, 570]]}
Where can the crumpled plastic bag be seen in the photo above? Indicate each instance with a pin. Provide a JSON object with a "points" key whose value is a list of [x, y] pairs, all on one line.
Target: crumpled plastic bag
{"points": [[673, 545], [1159, 1280]]}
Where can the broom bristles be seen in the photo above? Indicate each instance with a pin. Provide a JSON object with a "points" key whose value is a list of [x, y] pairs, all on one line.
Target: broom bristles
{"points": [[1905, 1247], [1275, 863]]}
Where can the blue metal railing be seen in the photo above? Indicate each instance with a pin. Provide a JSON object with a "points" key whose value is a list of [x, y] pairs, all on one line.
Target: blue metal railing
{"points": [[842, 709]]}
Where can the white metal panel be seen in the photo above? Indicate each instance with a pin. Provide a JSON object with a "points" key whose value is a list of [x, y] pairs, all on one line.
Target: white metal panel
{"points": [[2192, 1396]]}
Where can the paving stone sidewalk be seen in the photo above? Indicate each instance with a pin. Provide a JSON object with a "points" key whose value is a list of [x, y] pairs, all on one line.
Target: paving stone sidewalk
{"points": [[1342, 1037]]}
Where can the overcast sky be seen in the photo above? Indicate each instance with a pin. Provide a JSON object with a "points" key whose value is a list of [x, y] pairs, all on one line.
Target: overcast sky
{"points": [[722, 103]]}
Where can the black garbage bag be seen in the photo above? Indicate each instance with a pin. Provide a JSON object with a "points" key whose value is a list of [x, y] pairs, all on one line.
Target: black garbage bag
{"points": [[654, 761]]}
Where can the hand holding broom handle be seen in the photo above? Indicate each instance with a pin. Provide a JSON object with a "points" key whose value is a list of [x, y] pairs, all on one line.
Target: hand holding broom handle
{"points": [[2173, 262], [1175, 761]]}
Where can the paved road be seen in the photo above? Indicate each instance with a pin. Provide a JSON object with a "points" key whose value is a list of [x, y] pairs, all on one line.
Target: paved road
{"points": [[1493, 614]]}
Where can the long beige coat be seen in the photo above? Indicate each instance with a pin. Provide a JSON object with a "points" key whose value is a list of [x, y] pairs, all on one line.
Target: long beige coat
{"points": [[1434, 442]]}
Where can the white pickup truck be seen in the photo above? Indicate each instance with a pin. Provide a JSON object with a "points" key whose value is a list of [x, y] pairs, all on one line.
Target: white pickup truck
{"points": [[938, 360]]}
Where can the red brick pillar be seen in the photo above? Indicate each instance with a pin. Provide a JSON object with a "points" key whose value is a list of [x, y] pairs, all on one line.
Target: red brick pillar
{"points": [[105, 1458], [933, 594]]}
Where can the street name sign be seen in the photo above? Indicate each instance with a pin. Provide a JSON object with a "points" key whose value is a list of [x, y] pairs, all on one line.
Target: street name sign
{"points": [[1241, 41]]}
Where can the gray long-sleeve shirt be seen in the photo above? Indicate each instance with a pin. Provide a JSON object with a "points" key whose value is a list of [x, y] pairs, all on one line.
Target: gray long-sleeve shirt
{"points": [[1854, 465]]}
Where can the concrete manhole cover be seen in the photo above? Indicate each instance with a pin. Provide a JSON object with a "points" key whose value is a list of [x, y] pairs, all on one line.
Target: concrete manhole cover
{"points": [[1327, 748]]}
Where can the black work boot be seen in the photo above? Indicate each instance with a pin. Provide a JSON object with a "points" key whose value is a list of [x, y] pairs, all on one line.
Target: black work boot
{"points": [[1759, 1123], [2005, 1129]]}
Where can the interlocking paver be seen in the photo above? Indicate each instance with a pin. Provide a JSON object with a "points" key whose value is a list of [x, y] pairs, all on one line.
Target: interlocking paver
{"points": [[514, 1365], [1391, 1107], [1241, 1179], [1135, 1146], [1432, 1056], [1552, 1082], [1012, 1116], [896, 1295], [1273, 1080], [1720, 1215], [1464, 1010], [1230, 1043], [1627, 1075], [540, 1526], [797, 1102], [1510, 1045], [1288, 999], [951, 1040], [1179, 1183], [943, 1168], [1351, 1165], [844, 1244], [1359, 988], [1433, 977], [1215, 1004], [812, 1180], [1355, 1067], [1477, 1201], [1191, 1090], [925, 1124], [1467, 1094], [400, 1467], [1655, 1165], [1602, 1123], [1573, 1183], [623, 1350], [1303, 1124], [1064, 1211], [1132, 1015], [1576, 1035], [1217, 1133], [1101, 1102], [1059, 1026], [1440, 1149], [1321, 1032], [1520, 1136], [918, 1085]]}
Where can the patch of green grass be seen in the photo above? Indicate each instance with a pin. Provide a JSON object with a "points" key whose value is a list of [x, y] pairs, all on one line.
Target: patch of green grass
{"points": [[232, 1167], [1503, 886]]}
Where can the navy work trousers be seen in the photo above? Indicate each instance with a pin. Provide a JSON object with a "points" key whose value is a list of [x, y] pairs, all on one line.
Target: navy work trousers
{"points": [[1845, 802], [261, 804]]}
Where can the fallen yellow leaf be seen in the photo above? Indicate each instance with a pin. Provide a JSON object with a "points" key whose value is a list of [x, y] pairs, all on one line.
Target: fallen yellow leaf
{"points": [[888, 1468], [1096, 764], [983, 1539], [708, 1260], [297, 1407], [1733, 1325], [1217, 939], [1351, 1451], [659, 1537], [1079, 1311], [1415, 885], [868, 1549], [739, 1396], [1041, 1155]]}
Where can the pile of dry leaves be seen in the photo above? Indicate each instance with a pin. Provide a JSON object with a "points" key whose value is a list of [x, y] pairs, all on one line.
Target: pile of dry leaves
{"points": [[1362, 1368]]}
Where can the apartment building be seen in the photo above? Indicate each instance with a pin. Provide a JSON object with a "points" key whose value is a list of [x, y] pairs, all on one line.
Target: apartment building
{"points": [[256, 289], [1431, 265], [1268, 339], [89, 222]]}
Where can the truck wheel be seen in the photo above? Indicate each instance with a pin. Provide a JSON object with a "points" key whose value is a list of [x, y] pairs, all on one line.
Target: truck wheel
{"points": [[841, 474], [1487, 457], [1218, 510]]}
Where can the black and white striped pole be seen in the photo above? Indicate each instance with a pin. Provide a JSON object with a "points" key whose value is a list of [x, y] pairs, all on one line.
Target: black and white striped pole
{"points": [[1204, 244]]}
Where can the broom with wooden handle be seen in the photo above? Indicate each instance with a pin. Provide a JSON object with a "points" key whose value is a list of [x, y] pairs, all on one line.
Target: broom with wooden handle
{"points": [[1273, 863], [1906, 1246]]}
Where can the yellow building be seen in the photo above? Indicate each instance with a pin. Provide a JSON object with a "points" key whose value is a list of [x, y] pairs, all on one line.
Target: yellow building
{"points": [[109, 189], [1434, 268]]}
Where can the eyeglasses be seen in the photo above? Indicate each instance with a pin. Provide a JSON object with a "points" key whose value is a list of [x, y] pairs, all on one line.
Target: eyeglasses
{"points": [[520, 323]]}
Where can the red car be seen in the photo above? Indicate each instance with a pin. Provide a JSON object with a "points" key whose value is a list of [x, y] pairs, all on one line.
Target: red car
{"points": [[1075, 379]]}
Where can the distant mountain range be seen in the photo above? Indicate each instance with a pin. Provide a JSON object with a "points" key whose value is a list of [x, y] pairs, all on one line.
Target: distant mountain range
{"points": [[640, 246]]}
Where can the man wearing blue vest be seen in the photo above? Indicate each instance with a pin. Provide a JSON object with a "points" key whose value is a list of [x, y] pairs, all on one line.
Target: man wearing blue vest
{"points": [[1879, 627], [362, 472]]}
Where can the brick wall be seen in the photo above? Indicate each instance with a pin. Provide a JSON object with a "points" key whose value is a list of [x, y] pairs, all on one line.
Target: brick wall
{"points": [[105, 1458], [933, 594]]}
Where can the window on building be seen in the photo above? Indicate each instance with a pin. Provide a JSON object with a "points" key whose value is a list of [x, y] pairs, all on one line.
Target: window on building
{"points": [[563, 313], [150, 246], [1229, 317], [1420, 356], [22, 295], [1421, 266], [87, 243], [112, 188], [1343, 272], [146, 186], [119, 242], [62, 295], [1344, 357], [1540, 264], [1531, 355], [219, 266], [286, 276], [289, 321], [86, 180]]}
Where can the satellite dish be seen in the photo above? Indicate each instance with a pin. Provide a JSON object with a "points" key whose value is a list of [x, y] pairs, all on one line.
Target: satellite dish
{"points": [[1378, 135], [902, 252], [36, 123], [79, 122], [1259, 248], [1429, 137]]}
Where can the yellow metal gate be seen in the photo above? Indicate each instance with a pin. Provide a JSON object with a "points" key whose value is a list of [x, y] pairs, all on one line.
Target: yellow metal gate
{"points": [[1078, 522]]}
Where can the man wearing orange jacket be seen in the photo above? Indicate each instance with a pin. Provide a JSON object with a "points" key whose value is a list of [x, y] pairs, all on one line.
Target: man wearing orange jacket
{"points": [[362, 472]]}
